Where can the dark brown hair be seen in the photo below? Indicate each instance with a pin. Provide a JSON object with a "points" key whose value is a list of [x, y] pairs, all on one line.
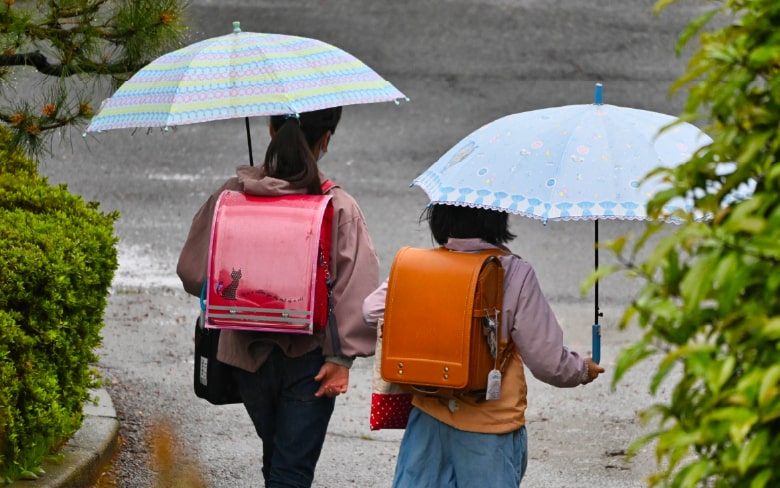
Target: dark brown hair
{"points": [[461, 222], [290, 155]]}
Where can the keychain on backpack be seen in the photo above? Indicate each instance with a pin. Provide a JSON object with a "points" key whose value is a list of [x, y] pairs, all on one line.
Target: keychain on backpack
{"points": [[494, 377]]}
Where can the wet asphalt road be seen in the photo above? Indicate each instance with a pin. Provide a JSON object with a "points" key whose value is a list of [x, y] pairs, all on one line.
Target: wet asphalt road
{"points": [[463, 64]]}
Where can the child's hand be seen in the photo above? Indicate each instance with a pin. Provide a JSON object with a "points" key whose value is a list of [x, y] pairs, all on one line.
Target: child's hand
{"points": [[333, 379], [594, 370]]}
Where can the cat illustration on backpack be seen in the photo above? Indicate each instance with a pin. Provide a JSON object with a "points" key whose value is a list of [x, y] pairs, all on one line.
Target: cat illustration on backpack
{"points": [[229, 292]]}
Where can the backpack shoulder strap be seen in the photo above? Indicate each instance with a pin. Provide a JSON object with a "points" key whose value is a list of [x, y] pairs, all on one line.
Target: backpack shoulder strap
{"points": [[327, 185]]}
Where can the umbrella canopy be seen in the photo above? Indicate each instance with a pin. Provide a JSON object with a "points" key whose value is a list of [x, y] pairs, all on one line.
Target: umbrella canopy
{"points": [[572, 162], [569, 163], [242, 74]]}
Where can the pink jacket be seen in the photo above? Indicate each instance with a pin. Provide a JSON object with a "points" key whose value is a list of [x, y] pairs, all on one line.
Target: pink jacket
{"points": [[526, 315], [354, 271]]}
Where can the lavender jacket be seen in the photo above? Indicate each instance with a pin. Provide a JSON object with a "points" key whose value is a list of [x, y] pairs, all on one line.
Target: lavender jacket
{"points": [[354, 271], [526, 316]]}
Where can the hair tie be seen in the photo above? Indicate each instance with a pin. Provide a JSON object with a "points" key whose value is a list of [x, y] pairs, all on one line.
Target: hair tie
{"points": [[296, 117]]}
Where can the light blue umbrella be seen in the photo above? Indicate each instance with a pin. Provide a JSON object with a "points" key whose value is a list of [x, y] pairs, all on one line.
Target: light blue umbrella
{"points": [[564, 163], [573, 162]]}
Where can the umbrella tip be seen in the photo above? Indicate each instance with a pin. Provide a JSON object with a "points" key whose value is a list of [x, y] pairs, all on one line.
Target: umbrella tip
{"points": [[236, 27], [598, 94]]}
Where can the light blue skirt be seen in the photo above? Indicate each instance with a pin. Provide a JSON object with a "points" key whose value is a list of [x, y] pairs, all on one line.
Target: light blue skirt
{"points": [[435, 455]]}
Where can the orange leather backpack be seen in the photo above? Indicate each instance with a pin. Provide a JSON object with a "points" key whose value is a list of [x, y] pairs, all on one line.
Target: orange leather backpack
{"points": [[442, 323]]}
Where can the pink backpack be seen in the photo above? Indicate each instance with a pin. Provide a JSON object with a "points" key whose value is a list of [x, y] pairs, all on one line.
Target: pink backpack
{"points": [[269, 263]]}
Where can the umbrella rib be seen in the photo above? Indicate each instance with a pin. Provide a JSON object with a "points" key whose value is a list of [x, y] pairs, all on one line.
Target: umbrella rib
{"points": [[566, 149], [277, 81]]}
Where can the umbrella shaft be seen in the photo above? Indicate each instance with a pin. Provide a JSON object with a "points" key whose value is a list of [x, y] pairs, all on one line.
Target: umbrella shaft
{"points": [[249, 141], [596, 287]]}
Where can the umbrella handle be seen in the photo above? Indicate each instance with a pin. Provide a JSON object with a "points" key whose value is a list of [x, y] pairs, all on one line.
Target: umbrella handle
{"points": [[596, 335]]}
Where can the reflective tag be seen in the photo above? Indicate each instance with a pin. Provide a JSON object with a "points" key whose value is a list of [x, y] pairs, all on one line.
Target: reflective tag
{"points": [[493, 385], [204, 371]]}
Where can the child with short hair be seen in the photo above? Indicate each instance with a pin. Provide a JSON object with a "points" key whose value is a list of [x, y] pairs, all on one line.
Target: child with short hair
{"points": [[466, 441]]}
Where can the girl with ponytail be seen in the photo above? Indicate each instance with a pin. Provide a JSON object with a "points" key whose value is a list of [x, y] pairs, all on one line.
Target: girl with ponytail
{"points": [[289, 382]]}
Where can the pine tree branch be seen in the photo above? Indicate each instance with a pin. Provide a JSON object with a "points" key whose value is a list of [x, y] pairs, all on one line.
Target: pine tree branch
{"points": [[40, 63], [35, 59], [77, 11], [90, 38], [60, 123]]}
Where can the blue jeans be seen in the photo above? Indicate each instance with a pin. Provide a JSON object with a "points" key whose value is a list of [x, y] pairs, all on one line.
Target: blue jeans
{"points": [[435, 455], [289, 419]]}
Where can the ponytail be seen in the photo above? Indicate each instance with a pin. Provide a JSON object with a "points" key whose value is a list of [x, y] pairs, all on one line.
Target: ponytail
{"points": [[290, 155], [289, 158]]}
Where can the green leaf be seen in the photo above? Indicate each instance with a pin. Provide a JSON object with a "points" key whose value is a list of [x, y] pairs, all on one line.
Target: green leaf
{"points": [[663, 370], [743, 218], [677, 438], [630, 357], [627, 317], [740, 426], [656, 204], [641, 442], [762, 478], [596, 276], [750, 452], [769, 390], [615, 245], [652, 229], [719, 373], [27, 475], [725, 270], [692, 28], [697, 282], [693, 473], [756, 143], [659, 254], [772, 328], [662, 4], [764, 55]]}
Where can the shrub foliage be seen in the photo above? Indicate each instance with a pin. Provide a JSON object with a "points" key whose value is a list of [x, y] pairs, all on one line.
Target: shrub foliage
{"points": [[710, 305], [58, 259]]}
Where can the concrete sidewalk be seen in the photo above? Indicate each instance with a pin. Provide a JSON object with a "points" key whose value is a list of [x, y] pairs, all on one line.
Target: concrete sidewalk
{"points": [[87, 454], [576, 435]]}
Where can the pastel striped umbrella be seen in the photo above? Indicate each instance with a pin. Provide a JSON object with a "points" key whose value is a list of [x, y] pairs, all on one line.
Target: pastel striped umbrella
{"points": [[242, 74]]}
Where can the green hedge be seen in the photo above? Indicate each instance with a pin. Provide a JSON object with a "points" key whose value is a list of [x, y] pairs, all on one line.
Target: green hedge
{"points": [[58, 258]]}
